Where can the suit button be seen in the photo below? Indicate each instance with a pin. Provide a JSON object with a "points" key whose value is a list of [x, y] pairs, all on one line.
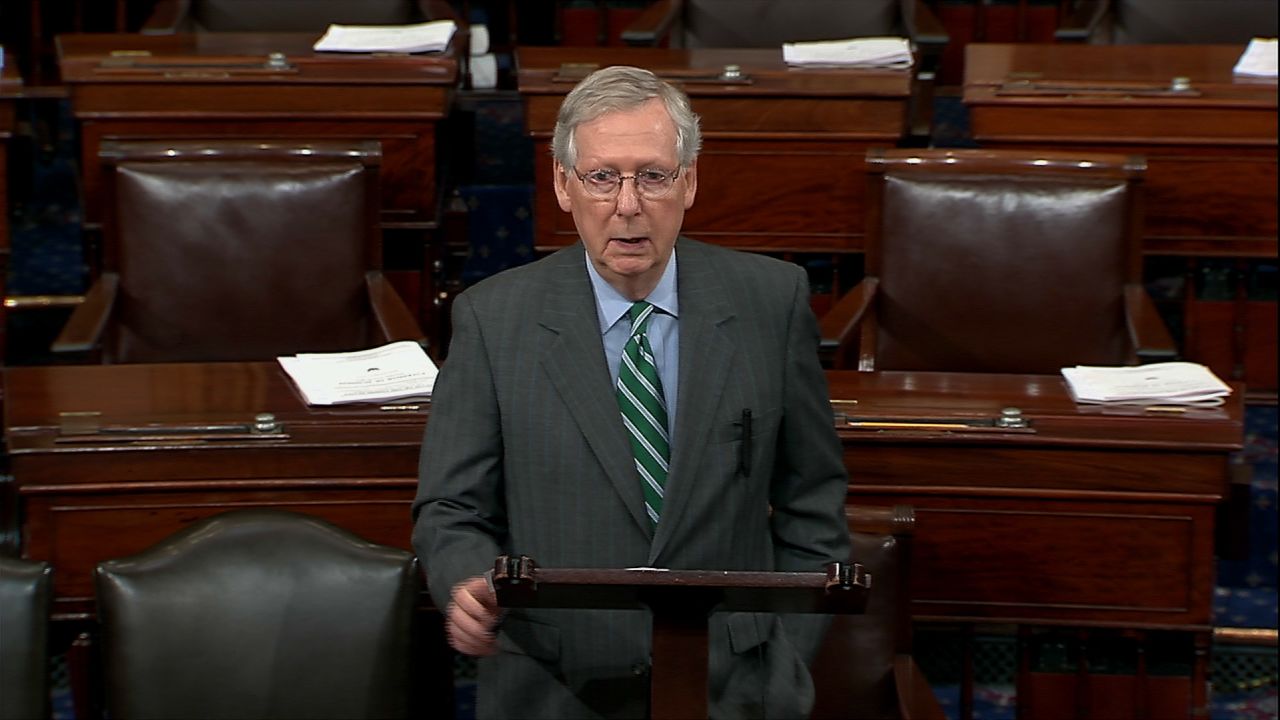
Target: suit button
{"points": [[639, 669]]}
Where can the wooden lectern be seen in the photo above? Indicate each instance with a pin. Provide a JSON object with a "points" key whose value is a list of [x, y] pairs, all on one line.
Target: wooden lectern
{"points": [[681, 601]]}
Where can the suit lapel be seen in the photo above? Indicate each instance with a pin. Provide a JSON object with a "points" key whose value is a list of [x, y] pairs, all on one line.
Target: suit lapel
{"points": [[574, 360], [706, 352]]}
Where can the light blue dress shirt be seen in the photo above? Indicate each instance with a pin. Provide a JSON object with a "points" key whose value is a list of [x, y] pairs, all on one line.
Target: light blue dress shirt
{"points": [[664, 335]]}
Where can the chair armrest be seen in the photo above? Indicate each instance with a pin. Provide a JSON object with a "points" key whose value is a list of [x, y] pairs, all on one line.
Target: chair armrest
{"points": [[1148, 334], [654, 23], [1082, 22], [394, 320], [915, 697], [839, 325], [83, 331], [167, 17]]}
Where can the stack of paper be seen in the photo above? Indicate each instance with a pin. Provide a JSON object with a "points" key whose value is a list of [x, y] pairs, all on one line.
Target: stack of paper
{"points": [[855, 52], [392, 372], [1171, 383], [423, 37], [1259, 58]]}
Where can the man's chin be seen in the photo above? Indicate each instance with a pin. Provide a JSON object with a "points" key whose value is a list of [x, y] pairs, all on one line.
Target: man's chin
{"points": [[630, 267]]}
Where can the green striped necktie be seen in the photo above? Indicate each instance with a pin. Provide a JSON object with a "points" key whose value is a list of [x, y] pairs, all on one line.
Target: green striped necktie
{"points": [[644, 412]]}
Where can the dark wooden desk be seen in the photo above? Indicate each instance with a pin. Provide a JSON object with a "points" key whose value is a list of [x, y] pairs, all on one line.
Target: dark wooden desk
{"points": [[782, 157], [222, 85], [167, 452], [1083, 471], [89, 496], [1089, 517], [1211, 165]]}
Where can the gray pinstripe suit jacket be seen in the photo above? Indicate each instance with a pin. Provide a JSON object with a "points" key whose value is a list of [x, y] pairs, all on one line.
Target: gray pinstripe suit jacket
{"points": [[525, 453]]}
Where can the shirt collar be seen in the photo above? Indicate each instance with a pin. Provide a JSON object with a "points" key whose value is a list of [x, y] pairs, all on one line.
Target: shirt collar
{"points": [[611, 305]]}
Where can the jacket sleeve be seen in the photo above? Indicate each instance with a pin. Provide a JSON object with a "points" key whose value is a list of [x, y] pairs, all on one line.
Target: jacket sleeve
{"points": [[459, 518], [811, 483]]}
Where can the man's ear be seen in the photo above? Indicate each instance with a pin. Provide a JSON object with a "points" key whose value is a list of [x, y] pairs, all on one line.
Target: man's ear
{"points": [[561, 180], [690, 184]]}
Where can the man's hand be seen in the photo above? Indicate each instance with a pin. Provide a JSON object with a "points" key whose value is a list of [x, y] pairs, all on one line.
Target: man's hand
{"points": [[472, 618]]}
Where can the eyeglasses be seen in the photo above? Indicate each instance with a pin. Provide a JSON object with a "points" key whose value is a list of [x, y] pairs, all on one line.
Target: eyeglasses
{"points": [[652, 184]]}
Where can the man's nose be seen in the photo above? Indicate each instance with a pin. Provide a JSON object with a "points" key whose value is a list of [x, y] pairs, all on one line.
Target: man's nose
{"points": [[628, 202]]}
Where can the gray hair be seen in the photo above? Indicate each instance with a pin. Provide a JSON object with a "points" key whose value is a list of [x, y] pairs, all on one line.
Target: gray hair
{"points": [[621, 87]]}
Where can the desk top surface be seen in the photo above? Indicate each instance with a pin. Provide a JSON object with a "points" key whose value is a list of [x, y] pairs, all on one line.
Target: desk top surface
{"points": [[1053, 417], [555, 70], [242, 57], [1128, 74], [183, 403], [45, 402]]}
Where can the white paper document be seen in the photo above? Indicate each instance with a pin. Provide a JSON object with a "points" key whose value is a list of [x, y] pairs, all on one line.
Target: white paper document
{"points": [[891, 52], [397, 371], [1259, 59], [1170, 383], [423, 37]]}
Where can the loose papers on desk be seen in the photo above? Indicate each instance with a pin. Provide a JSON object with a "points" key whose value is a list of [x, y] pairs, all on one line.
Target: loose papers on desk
{"points": [[888, 52], [396, 371], [423, 37], [1170, 383], [1258, 59]]}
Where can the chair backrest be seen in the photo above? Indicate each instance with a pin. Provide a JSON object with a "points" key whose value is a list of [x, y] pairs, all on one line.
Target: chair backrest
{"points": [[258, 614], [1192, 21], [297, 15], [25, 595], [1000, 261], [240, 250], [853, 672], [770, 23]]}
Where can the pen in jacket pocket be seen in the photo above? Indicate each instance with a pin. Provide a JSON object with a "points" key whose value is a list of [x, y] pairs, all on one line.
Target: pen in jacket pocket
{"points": [[744, 448]]}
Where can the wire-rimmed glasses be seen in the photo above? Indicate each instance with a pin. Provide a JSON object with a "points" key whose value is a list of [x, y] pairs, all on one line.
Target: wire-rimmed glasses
{"points": [[651, 183]]}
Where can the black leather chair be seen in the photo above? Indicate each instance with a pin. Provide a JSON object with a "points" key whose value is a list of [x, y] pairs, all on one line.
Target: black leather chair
{"points": [[172, 16], [258, 614], [865, 669], [226, 250], [770, 23], [999, 261], [1135, 22], [26, 591]]}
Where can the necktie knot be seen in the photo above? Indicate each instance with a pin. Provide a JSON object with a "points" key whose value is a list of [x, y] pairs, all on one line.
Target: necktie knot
{"points": [[640, 312]]}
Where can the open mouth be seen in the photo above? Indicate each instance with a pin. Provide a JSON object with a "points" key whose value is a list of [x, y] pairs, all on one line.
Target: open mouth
{"points": [[631, 240]]}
